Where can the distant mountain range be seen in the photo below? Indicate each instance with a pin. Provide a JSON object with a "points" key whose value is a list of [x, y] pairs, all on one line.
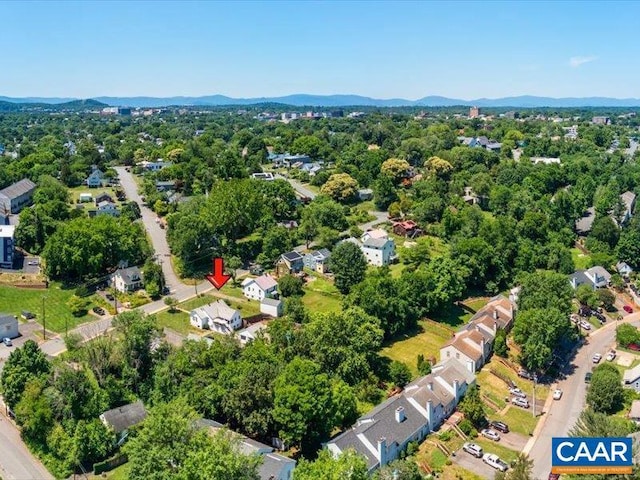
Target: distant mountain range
{"points": [[304, 100]]}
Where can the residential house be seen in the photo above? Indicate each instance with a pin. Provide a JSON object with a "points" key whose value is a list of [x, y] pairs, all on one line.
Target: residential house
{"points": [[267, 176], [103, 197], [8, 326], [628, 200], [272, 307], [365, 194], [216, 316], [154, 166], [595, 277], [288, 224], [631, 378], [273, 465], [165, 186], [584, 223], [313, 168], [107, 208], [123, 418], [634, 411], [318, 260], [623, 269], [473, 344], [376, 233], [384, 432], [407, 228], [379, 251], [601, 120], [545, 160], [250, 333], [259, 288], [7, 244], [95, 178], [289, 263], [127, 279], [17, 196], [470, 197]]}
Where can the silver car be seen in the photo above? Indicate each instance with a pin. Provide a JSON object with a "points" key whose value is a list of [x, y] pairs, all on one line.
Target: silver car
{"points": [[520, 402], [490, 434]]}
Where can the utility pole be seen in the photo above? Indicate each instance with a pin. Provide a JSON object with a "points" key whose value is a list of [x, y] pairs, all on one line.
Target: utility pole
{"points": [[535, 379], [44, 321]]}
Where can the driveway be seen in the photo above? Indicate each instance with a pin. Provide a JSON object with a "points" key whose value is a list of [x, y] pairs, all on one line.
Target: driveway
{"points": [[562, 415], [27, 332], [473, 464]]}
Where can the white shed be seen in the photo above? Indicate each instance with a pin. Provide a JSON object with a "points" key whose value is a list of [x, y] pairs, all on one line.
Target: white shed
{"points": [[272, 307]]}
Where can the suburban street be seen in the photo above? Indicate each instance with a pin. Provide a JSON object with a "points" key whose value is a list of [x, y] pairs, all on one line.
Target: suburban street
{"points": [[16, 461], [562, 415], [298, 187]]}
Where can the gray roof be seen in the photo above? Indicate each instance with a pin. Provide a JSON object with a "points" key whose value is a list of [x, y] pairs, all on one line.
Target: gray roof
{"points": [[628, 198], [129, 273], [19, 188], [272, 302], [5, 319], [623, 266], [375, 242], [600, 272], [580, 278], [292, 256], [584, 224], [272, 465], [217, 309], [125, 417]]}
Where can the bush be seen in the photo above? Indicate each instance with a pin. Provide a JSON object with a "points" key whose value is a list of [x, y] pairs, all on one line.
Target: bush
{"points": [[627, 334], [399, 374], [466, 426], [290, 286], [446, 436]]}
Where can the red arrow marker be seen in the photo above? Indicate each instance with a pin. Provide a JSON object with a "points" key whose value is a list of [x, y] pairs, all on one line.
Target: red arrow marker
{"points": [[217, 278]]}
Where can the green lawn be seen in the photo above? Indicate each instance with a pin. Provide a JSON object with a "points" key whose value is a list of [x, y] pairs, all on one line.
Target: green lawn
{"points": [[118, 473], [489, 446], [13, 300], [178, 321], [456, 315], [427, 340], [321, 295], [580, 260], [75, 192]]}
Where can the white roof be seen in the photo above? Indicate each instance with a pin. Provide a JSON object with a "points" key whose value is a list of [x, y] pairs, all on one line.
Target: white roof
{"points": [[7, 231], [265, 282], [631, 374], [217, 309], [376, 233]]}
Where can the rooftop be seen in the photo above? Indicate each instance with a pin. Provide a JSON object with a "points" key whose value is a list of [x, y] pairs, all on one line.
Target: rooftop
{"points": [[19, 188], [122, 418]]}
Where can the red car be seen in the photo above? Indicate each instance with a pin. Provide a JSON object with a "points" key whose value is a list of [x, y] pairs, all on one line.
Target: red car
{"points": [[628, 308]]}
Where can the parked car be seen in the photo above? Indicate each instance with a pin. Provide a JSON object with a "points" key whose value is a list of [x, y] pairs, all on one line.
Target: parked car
{"points": [[596, 358], [99, 310], [500, 426], [587, 377], [110, 297], [557, 394], [473, 449], [490, 434], [256, 270], [586, 325], [524, 374], [33, 263], [520, 402], [628, 308], [494, 461], [27, 315], [611, 356], [7, 341], [517, 392]]}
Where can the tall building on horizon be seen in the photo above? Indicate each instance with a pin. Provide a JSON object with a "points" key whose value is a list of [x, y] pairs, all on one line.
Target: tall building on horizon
{"points": [[474, 112]]}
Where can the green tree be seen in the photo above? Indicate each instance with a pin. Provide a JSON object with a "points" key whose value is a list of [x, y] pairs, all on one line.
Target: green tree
{"points": [[348, 466], [384, 192], [303, 404], [233, 264], [23, 364], [473, 407], [406, 469], [395, 169], [153, 278], [605, 230], [586, 295], [500, 344], [342, 187], [626, 334], [521, 469], [290, 286], [33, 412], [605, 394], [399, 373], [92, 441], [606, 298], [545, 290], [348, 264], [77, 306], [171, 302]]}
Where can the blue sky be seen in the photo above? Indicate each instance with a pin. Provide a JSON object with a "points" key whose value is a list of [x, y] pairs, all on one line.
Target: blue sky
{"points": [[379, 49]]}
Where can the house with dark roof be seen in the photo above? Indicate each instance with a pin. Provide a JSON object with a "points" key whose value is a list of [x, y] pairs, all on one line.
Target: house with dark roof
{"points": [[318, 260], [216, 316], [127, 279], [407, 228], [95, 178], [260, 287], [8, 326], [103, 197], [16, 196], [584, 223], [409, 416], [165, 186], [121, 419], [273, 465], [289, 263]]}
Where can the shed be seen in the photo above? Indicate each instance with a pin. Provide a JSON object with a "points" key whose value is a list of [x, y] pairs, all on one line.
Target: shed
{"points": [[122, 418], [8, 326], [272, 307]]}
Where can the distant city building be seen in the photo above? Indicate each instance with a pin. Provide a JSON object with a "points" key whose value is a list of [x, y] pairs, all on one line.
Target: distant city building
{"points": [[474, 112], [601, 120]]}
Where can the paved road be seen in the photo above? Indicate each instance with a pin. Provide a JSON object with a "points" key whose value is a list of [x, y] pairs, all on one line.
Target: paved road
{"points": [[156, 234], [562, 414], [17, 462], [298, 187], [633, 146]]}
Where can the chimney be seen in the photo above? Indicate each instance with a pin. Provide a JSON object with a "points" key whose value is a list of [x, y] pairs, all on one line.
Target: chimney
{"points": [[495, 313], [430, 414], [400, 414], [456, 390], [382, 451], [430, 386]]}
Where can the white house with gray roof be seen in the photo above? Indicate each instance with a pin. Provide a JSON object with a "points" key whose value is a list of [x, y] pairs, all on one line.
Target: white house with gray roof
{"points": [[217, 316], [384, 432], [259, 288], [595, 277], [379, 251], [127, 279]]}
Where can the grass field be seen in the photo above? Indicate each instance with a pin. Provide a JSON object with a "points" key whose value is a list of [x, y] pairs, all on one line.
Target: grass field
{"points": [[74, 193], [321, 295], [426, 340], [13, 300], [177, 320], [118, 473], [580, 260], [489, 446]]}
